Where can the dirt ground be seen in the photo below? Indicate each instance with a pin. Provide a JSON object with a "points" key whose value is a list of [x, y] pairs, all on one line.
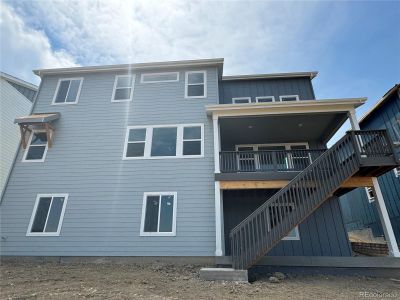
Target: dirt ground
{"points": [[160, 281]]}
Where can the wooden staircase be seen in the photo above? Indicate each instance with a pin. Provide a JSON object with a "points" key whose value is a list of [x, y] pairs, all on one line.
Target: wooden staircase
{"points": [[369, 153]]}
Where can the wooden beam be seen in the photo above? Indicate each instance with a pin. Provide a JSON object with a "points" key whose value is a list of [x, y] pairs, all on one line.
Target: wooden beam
{"points": [[355, 182], [252, 184], [352, 182]]}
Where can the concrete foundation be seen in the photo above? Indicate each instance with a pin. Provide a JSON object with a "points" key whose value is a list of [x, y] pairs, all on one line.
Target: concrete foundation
{"points": [[227, 274]]}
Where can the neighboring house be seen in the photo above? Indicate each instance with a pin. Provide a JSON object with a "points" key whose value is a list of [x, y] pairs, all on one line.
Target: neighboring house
{"points": [[358, 206], [16, 98], [165, 159]]}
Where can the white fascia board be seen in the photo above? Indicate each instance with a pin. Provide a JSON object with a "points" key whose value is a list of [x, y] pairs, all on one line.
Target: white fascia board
{"points": [[136, 66]]}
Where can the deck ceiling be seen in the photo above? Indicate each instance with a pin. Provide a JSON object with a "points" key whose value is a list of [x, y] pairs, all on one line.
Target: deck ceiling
{"points": [[280, 128]]}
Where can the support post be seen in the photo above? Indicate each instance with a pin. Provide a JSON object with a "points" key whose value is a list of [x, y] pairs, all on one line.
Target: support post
{"points": [[353, 119], [385, 220], [217, 146], [219, 228]]}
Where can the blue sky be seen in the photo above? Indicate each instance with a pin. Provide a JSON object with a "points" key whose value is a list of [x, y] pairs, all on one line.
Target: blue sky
{"points": [[355, 46]]}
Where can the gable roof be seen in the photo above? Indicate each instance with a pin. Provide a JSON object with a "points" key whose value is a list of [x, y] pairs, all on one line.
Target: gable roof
{"points": [[18, 81], [395, 88]]}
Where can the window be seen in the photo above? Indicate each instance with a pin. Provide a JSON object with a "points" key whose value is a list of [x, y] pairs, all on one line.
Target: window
{"points": [[67, 91], [164, 141], [159, 77], [293, 235], [123, 88], [196, 84], [192, 140], [158, 214], [136, 142], [289, 98], [37, 147], [265, 99], [47, 215], [397, 171], [240, 100], [370, 194]]}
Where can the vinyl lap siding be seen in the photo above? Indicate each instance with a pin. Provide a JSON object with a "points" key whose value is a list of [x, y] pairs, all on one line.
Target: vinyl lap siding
{"points": [[12, 104], [104, 207]]}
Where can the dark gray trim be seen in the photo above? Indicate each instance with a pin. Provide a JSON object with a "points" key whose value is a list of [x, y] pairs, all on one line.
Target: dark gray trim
{"points": [[321, 261], [256, 176]]}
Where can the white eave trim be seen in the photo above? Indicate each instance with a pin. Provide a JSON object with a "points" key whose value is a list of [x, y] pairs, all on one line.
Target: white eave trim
{"points": [[303, 106], [311, 75], [136, 66]]}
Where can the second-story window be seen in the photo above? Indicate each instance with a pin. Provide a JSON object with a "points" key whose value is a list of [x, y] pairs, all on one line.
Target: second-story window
{"points": [[123, 88], [37, 147], [241, 100], [68, 91], [289, 98], [196, 84], [164, 141], [265, 99]]}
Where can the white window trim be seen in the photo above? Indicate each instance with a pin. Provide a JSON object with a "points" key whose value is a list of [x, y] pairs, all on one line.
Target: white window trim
{"points": [[115, 88], [186, 84], [29, 145], [297, 97], [396, 171], [293, 238], [29, 233], [241, 98], [265, 97], [145, 195], [157, 81], [179, 141], [370, 199], [58, 86]]}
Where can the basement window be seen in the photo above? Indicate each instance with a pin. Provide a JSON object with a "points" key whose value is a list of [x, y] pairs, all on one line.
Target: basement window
{"points": [[370, 194], [47, 215], [293, 235], [159, 214], [397, 171]]}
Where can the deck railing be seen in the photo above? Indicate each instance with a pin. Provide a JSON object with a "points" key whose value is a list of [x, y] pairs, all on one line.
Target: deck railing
{"points": [[267, 225], [267, 160]]}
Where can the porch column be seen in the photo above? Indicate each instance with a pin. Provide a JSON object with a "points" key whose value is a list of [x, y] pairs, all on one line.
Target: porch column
{"points": [[219, 219], [353, 119], [384, 216]]}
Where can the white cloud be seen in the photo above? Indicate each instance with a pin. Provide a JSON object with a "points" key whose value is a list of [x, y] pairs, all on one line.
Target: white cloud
{"points": [[251, 36], [24, 49]]}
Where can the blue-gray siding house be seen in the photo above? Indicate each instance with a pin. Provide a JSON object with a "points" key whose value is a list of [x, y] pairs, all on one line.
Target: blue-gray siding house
{"points": [[359, 210], [166, 159]]}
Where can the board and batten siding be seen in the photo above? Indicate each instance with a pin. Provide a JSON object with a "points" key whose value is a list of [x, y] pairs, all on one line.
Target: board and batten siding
{"points": [[323, 233], [103, 213], [265, 87], [12, 105], [358, 212]]}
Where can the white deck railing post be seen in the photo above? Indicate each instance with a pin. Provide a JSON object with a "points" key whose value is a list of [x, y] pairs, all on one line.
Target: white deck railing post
{"points": [[385, 220]]}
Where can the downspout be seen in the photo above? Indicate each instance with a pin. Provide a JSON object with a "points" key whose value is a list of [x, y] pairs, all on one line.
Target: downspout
{"points": [[19, 147]]}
